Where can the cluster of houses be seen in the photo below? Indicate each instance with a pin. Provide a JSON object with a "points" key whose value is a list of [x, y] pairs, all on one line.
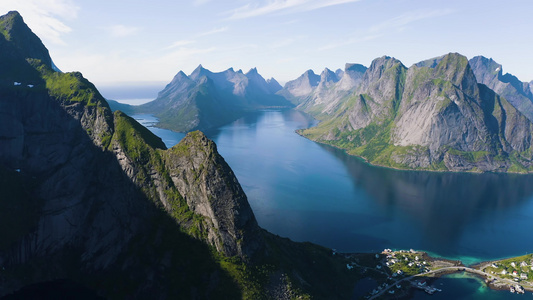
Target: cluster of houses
{"points": [[522, 267], [408, 260]]}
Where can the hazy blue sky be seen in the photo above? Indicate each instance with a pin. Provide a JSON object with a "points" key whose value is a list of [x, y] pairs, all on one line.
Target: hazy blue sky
{"points": [[113, 41]]}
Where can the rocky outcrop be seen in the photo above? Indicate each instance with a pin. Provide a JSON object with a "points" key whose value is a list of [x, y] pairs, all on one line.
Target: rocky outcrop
{"points": [[210, 189], [432, 116]]}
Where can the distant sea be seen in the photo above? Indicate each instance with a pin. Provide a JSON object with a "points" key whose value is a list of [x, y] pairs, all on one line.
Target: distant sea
{"points": [[132, 93]]}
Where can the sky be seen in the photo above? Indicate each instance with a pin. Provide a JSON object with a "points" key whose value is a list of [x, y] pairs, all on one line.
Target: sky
{"points": [[138, 42]]}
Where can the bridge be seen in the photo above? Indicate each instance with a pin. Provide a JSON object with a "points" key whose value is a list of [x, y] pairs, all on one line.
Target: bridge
{"points": [[448, 270]]}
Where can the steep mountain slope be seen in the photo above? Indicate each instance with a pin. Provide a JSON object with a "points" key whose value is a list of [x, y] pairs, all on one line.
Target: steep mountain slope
{"points": [[299, 89], [321, 95], [432, 116], [490, 73], [94, 197], [206, 99]]}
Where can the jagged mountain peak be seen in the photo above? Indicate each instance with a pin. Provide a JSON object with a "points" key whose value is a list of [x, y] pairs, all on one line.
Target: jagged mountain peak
{"points": [[351, 77], [484, 62], [180, 78], [490, 73], [181, 74], [378, 69], [379, 65], [199, 72], [354, 68], [328, 76], [311, 77], [339, 72], [252, 71], [274, 85], [455, 68]]}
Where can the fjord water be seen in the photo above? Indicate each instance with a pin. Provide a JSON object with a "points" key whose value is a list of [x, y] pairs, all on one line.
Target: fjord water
{"points": [[311, 192]]}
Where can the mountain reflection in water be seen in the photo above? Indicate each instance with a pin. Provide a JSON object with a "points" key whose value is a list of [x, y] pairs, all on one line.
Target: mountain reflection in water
{"points": [[451, 209]]}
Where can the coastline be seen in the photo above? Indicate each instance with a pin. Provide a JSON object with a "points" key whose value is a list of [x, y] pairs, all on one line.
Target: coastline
{"points": [[298, 131]]}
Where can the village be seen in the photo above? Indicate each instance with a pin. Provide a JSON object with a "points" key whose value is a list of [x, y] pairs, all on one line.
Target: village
{"points": [[396, 273], [502, 273]]}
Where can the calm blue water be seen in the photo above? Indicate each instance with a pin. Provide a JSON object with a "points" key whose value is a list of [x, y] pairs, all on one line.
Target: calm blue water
{"points": [[170, 138], [311, 192]]}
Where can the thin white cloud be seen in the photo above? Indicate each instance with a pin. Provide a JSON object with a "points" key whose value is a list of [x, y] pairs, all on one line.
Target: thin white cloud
{"points": [[178, 44], [44, 17], [396, 24], [405, 19], [123, 30], [274, 6], [214, 31]]}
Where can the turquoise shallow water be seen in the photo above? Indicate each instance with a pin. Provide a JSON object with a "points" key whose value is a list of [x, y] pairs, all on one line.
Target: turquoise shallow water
{"points": [[463, 286], [312, 192]]}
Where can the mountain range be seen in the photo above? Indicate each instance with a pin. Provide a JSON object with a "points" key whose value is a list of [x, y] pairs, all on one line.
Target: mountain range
{"points": [[322, 94], [445, 114], [205, 100], [93, 198]]}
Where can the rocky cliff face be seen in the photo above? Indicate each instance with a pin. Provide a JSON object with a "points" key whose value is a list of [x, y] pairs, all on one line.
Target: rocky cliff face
{"points": [[211, 190], [490, 73], [205, 99], [432, 116], [94, 185]]}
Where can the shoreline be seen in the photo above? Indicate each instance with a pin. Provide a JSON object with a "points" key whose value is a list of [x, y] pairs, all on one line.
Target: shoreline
{"points": [[298, 131]]}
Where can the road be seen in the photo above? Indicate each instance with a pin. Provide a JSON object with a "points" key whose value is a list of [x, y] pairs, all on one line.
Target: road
{"points": [[446, 269]]}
